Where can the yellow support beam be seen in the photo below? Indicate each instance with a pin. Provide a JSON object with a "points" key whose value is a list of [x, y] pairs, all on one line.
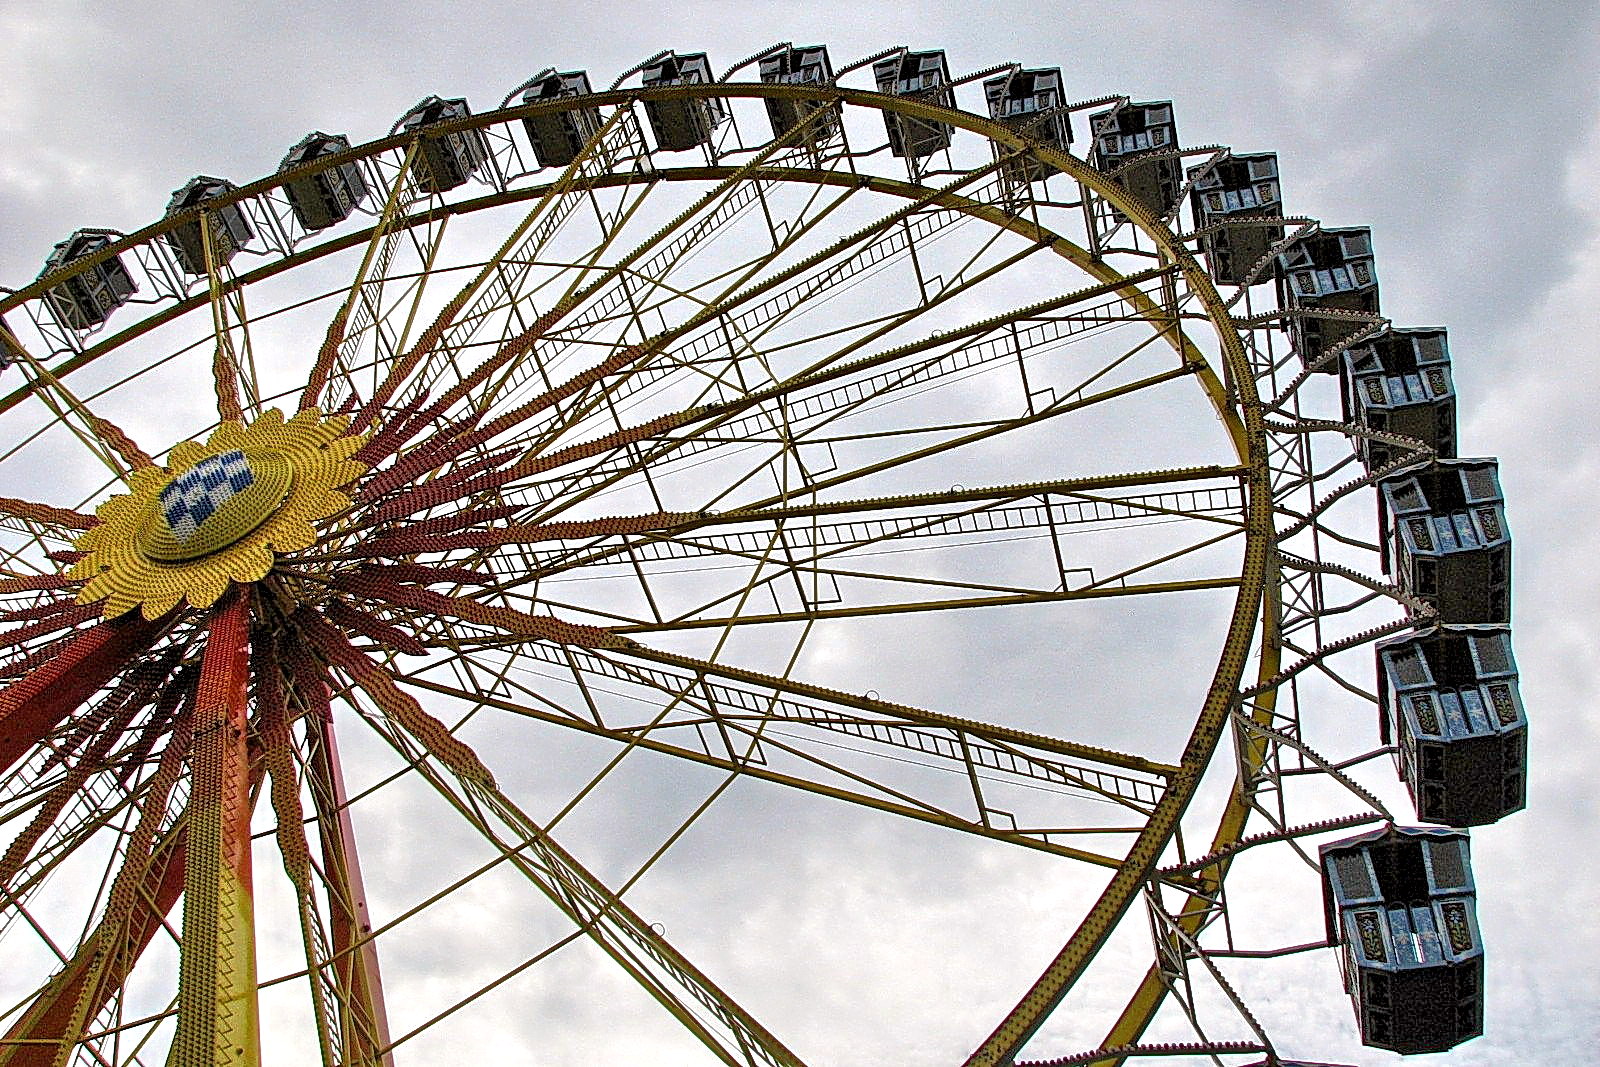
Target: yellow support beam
{"points": [[218, 1016]]}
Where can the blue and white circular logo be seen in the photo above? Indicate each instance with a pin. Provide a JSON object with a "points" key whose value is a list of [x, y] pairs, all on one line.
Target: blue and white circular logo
{"points": [[195, 495]]}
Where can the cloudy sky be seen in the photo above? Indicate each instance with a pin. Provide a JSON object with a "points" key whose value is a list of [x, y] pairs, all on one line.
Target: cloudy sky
{"points": [[1466, 135]]}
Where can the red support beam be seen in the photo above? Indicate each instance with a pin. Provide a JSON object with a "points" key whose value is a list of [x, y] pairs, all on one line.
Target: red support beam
{"points": [[33, 706], [366, 1029], [218, 1018]]}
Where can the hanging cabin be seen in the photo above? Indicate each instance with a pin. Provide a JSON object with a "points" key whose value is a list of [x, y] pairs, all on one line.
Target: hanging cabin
{"points": [[1449, 700], [558, 136], [8, 352], [1241, 187], [443, 161], [330, 195], [924, 76], [1401, 905], [685, 122], [1400, 381], [1446, 540], [1030, 102], [84, 300], [1123, 139], [806, 65], [1331, 270]]}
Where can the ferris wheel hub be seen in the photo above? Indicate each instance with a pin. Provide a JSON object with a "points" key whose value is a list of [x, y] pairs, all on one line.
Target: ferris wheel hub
{"points": [[215, 504], [220, 512]]}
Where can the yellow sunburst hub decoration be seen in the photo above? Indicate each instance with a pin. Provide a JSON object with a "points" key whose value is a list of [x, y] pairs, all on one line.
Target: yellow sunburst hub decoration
{"points": [[220, 512]]}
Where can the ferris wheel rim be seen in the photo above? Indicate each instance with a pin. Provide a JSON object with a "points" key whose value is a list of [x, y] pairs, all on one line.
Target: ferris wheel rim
{"points": [[1257, 570]]}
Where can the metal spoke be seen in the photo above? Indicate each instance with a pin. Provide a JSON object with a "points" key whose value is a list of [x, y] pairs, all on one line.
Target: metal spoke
{"points": [[706, 1011]]}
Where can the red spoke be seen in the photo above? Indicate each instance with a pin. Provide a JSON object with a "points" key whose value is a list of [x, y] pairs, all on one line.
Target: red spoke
{"points": [[326, 356], [400, 706], [366, 624], [375, 586], [27, 509], [35, 705], [30, 582]]}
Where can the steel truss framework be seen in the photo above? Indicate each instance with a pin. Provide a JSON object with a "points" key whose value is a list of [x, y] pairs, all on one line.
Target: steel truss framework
{"points": [[607, 453]]}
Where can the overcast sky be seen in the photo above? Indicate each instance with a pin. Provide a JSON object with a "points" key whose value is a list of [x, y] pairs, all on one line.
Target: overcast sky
{"points": [[1466, 135]]}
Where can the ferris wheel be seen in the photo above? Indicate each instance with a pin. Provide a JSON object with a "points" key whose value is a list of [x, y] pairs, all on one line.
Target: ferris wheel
{"points": [[438, 574]]}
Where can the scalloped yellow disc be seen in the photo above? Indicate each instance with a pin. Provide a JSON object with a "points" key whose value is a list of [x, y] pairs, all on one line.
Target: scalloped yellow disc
{"points": [[221, 512]]}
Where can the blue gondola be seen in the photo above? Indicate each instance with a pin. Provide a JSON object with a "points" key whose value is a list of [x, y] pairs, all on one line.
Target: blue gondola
{"points": [[1124, 139], [1446, 540], [1400, 381], [1331, 270], [1239, 187], [1451, 704], [1401, 903]]}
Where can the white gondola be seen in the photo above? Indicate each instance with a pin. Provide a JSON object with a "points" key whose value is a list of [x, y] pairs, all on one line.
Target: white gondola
{"points": [[925, 76], [683, 123]]}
